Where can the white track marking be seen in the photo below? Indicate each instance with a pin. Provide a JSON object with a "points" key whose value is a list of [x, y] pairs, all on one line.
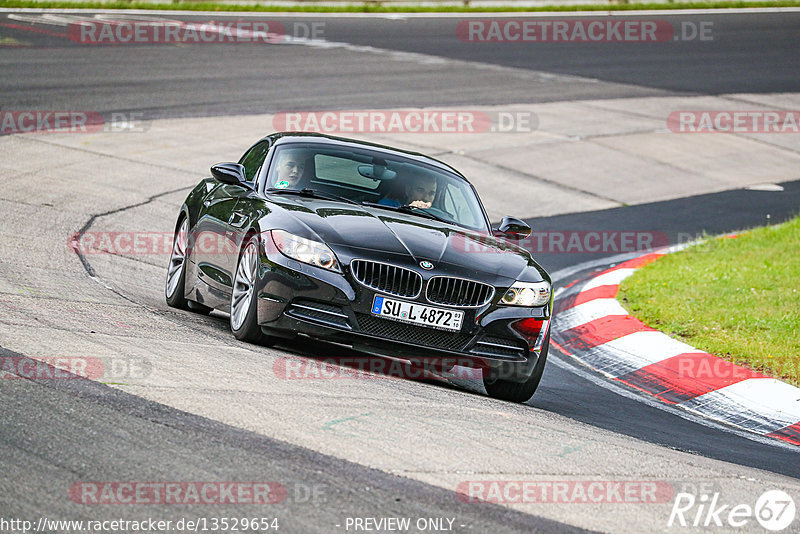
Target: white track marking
{"points": [[641, 349], [113, 18], [587, 312], [52, 19], [756, 400], [611, 278]]}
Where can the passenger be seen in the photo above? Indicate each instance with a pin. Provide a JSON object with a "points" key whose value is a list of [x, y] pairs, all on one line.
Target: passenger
{"points": [[289, 170], [418, 191]]}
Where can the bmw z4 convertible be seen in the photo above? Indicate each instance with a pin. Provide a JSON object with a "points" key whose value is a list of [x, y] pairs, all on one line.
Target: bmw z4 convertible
{"points": [[387, 251]]}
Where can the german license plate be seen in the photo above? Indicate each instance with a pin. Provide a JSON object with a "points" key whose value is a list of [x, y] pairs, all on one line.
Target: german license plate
{"points": [[411, 312]]}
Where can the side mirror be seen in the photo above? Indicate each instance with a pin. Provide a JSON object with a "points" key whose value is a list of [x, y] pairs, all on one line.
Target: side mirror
{"points": [[229, 173], [511, 228]]}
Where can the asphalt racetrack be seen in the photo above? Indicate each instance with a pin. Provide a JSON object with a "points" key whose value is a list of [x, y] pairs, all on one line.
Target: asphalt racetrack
{"points": [[190, 405]]}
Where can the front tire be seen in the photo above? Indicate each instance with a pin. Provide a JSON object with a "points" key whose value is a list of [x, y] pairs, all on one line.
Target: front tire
{"points": [[519, 391], [244, 301]]}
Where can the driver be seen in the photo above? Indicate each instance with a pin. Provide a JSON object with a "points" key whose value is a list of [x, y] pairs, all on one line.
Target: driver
{"points": [[289, 170], [418, 191]]}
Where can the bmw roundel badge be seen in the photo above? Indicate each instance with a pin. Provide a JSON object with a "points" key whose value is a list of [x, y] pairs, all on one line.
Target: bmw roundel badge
{"points": [[426, 265]]}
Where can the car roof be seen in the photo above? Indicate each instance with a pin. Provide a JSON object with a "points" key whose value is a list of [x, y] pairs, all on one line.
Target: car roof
{"points": [[281, 138]]}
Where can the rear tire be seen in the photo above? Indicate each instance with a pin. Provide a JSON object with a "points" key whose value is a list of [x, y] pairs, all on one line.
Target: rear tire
{"points": [[244, 301], [175, 286], [519, 391]]}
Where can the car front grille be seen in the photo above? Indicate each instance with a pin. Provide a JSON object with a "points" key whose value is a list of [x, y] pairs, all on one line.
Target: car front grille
{"points": [[387, 278], [452, 291], [409, 333]]}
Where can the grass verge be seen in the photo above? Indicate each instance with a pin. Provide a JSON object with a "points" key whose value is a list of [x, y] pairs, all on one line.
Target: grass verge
{"points": [[738, 299], [375, 6]]}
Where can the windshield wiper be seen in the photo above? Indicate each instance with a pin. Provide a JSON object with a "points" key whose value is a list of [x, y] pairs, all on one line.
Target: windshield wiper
{"points": [[311, 193], [409, 209]]}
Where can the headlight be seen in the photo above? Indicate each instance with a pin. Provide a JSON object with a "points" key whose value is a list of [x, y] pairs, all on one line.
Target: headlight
{"points": [[305, 250], [527, 294]]}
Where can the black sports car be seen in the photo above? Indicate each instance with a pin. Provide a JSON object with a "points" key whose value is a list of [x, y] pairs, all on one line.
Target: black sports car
{"points": [[388, 251]]}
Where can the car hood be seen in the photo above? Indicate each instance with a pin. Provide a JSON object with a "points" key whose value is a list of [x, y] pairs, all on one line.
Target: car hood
{"points": [[375, 233]]}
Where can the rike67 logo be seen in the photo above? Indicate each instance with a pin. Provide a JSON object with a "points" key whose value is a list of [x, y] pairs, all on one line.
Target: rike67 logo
{"points": [[774, 510]]}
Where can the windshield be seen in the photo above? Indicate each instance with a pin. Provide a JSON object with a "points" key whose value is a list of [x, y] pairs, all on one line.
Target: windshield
{"points": [[375, 179]]}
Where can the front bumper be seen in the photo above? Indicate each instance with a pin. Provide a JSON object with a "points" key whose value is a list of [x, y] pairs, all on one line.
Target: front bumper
{"points": [[294, 298]]}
